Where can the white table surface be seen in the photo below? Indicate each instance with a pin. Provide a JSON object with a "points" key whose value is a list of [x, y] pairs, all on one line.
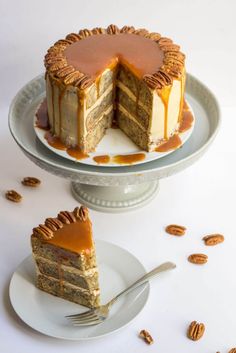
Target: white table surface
{"points": [[202, 197]]}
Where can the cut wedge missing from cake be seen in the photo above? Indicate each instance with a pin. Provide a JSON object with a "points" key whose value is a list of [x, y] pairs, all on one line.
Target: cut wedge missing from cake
{"points": [[126, 75], [64, 253]]}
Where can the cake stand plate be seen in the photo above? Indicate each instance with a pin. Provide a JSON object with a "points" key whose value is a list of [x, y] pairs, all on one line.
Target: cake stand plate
{"points": [[115, 189], [114, 142]]}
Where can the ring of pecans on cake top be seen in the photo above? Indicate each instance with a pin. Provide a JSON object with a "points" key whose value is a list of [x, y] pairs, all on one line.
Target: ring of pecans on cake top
{"points": [[58, 67]]}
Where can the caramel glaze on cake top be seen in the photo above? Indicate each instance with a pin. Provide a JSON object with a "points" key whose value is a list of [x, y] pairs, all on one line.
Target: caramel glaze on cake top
{"points": [[153, 58], [95, 53], [70, 230]]}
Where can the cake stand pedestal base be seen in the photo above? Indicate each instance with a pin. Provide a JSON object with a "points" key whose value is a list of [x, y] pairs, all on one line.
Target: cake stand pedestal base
{"points": [[115, 199]]}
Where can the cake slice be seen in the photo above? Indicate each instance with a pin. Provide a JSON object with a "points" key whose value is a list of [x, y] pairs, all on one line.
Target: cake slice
{"points": [[64, 254]]}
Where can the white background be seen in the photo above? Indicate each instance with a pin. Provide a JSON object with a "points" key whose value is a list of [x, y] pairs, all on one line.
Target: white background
{"points": [[202, 197]]}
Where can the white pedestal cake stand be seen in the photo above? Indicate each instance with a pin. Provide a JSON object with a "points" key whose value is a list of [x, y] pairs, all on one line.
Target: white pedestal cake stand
{"points": [[114, 189]]}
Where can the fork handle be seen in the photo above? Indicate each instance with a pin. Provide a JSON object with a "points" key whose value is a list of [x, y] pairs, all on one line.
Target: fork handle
{"points": [[164, 267]]}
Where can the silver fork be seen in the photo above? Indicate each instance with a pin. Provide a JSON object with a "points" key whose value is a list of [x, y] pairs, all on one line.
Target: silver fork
{"points": [[97, 315]]}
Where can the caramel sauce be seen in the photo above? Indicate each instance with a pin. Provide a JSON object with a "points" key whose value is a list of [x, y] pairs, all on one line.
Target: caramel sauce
{"points": [[181, 101], [185, 105], [128, 158], [165, 94], [61, 95], [52, 90], [42, 120], [76, 237], [102, 159], [187, 121], [54, 141], [98, 79], [173, 143], [80, 100], [76, 153], [94, 54]]}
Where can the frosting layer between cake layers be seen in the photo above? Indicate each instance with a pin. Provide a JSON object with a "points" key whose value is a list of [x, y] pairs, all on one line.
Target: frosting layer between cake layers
{"points": [[132, 76]]}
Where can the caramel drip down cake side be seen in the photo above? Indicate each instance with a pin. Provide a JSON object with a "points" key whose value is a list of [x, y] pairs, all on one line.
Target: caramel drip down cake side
{"points": [[64, 254]]}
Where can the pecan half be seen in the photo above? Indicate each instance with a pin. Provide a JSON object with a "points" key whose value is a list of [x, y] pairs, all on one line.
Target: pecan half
{"points": [[14, 196], [213, 239], [31, 181], [113, 29], [127, 29], [85, 32], [175, 229], [195, 330], [146, 336], [232, 350], [66, 217], [65, 70], [73, 37], [81, 213], [154, 36], [72, 77], [198, 259], [141, 32], [43, 232], [53, 223]]}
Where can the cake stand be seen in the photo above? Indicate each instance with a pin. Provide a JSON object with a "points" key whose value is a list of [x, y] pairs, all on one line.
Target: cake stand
{"points": [[114, 189]]}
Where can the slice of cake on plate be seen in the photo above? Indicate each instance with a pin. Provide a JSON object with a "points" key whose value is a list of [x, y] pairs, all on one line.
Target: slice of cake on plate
{"points": [[64, 253], [129, 75]]}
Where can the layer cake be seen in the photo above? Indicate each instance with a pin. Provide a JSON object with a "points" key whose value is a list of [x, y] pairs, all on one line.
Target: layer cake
{"points": [[65, 259], [128, 76]]}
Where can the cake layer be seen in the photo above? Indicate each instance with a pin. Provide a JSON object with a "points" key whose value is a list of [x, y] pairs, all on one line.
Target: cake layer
{"points": [[132, 129], [96, 134], [68, 291], [133, 108], [84, 279], [127, 91], [55, 253], [99, 87], [94, 115], [139, 88]]}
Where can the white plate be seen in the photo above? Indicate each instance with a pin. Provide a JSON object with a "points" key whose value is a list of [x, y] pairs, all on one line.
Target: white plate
{"points": [[115, 142], [45, 313]]}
